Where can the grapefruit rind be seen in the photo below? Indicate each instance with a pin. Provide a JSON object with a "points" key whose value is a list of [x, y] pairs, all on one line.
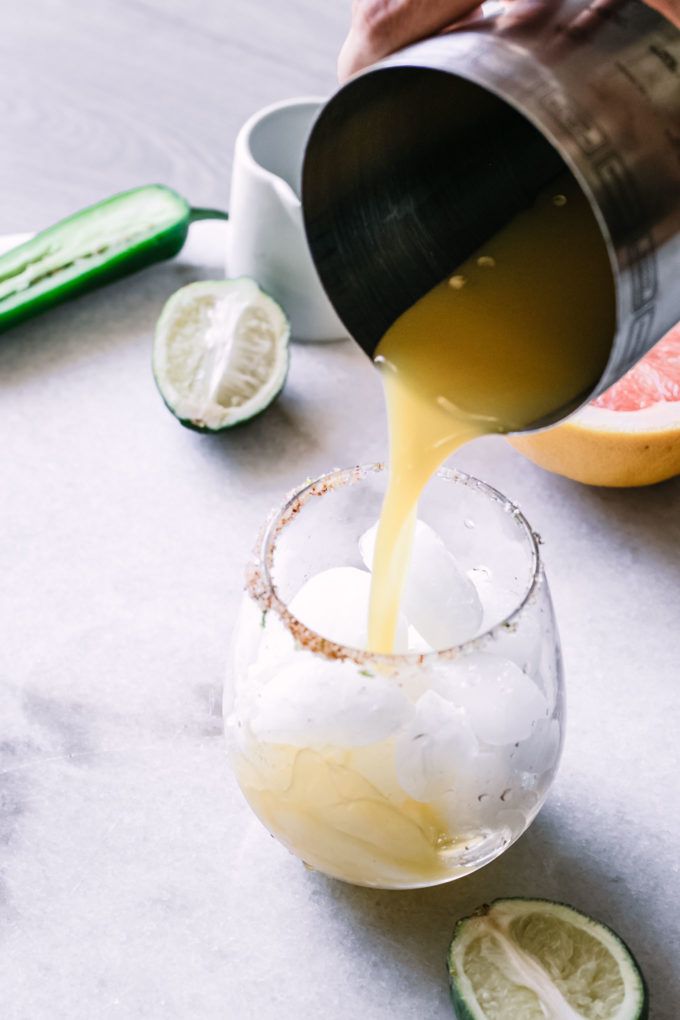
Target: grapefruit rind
{"points": [[625, 437], [598, 446]]}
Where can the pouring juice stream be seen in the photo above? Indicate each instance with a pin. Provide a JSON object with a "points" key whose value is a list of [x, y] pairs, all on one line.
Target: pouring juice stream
{"points": [[521, 328]]}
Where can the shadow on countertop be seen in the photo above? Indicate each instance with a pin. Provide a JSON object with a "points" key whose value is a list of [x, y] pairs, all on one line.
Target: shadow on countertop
{"points": [[415, 926]]}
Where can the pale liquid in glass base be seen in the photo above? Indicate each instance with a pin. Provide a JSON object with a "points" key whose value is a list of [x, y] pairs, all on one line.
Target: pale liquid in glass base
{"points": [[325, 807], [522, 328]]}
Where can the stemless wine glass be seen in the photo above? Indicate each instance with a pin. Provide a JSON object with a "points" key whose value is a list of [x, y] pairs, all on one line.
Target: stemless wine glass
{"points": [[410, 769]]}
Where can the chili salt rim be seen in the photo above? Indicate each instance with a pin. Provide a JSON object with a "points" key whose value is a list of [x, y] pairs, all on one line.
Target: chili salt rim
{"points": [[261, 588]]}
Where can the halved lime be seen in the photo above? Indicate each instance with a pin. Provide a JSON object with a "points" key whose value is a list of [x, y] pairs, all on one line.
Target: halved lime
{"points": [[220, 353], [521, 959]]}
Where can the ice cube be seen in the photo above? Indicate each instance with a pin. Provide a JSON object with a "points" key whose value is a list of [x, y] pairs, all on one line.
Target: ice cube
{"points": [[313, 702], [521, 640], [277, 644], [500, 700], [481, 790], [435, 750], [246, 639], [416, 642], [539, 752], [497, 600], [276, 647], [334, 604], [438, 600], [549, 669]]}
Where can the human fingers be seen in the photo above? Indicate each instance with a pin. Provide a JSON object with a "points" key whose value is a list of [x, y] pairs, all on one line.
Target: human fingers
{"points": [[380, 27]]}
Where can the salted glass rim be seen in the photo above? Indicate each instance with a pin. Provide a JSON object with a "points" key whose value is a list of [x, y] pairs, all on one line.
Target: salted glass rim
{"points": [[261, 587]]}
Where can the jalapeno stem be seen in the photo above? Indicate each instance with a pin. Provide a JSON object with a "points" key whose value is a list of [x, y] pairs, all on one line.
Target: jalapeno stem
{"points": [[207, 214]]}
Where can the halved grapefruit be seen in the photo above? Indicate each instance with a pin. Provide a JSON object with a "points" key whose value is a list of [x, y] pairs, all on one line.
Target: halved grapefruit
{"points": [[628, 436]]}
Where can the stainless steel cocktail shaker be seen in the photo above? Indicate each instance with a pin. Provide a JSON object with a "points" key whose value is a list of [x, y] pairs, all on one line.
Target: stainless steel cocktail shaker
{"points": [[416, 162]]}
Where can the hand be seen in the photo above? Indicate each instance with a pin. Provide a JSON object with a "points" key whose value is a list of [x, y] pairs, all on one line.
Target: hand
{"points": [[669, 8], [380, 27]]}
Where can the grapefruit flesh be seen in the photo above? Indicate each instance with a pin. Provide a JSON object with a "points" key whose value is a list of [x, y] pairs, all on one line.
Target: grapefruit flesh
{"points": [[654, 379], [630, 435]]}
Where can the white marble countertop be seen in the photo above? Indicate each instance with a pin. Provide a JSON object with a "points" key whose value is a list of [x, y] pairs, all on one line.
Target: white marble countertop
{"points": [[135, 882]]}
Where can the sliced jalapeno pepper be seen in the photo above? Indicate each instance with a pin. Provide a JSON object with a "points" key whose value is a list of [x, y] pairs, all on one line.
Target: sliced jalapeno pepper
{"points": [[94, 246]]}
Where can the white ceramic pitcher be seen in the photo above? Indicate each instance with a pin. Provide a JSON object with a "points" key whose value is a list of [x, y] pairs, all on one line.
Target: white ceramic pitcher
{"points": [[266, 237]]}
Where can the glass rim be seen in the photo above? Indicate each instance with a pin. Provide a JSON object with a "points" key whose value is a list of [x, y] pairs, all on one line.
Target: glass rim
{"points": [[261, 588]]}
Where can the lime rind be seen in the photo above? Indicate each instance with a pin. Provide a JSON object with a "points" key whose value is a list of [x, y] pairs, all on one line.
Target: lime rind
{"points": [[221, 353], [533, 990]]}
